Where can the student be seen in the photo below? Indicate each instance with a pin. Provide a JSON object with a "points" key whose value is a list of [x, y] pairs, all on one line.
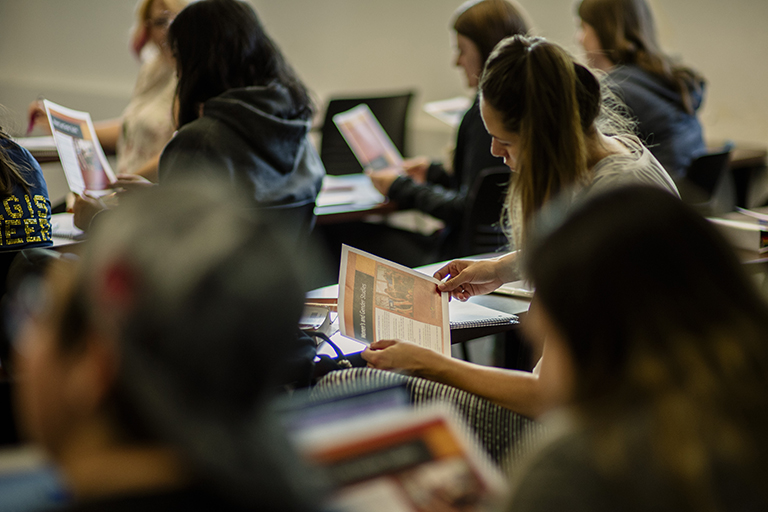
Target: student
{"points": [[543, 111], [427, 186], [144, 371], [658, 337], [146, 125], [619, 37], [243, 113], [26, 209]]}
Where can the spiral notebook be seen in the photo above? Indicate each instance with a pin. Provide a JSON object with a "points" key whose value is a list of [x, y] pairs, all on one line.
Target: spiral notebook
{"points": [[468, 315]]}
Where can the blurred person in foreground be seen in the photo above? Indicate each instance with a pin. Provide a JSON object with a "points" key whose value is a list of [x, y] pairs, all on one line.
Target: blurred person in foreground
{"points": [[144, 371], [658, 341]]}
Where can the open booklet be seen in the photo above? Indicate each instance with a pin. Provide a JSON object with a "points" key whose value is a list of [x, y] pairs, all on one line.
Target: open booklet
{"points": [[84, 163], [379, 299], [369, 142]]}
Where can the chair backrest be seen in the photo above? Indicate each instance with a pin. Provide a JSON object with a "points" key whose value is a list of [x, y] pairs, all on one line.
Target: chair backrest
{"points": [[708, 185], [391, 111], [481, 230]]}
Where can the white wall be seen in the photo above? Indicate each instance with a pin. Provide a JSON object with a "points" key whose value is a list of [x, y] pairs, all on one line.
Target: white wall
{"points": [[75, 52]]}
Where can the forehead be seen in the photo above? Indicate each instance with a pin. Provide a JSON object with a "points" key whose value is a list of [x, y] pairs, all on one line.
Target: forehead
{"points": [[491, 119], [157, 7]]}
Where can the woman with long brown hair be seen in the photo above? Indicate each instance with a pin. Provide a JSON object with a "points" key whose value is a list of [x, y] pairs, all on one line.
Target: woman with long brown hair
{"points": [[548, 121], [658, 337], [619, 37]]}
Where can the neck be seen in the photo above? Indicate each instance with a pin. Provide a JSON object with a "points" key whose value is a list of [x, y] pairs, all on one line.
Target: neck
{"points": [[600, 146], [95, 467], [600, 61]]}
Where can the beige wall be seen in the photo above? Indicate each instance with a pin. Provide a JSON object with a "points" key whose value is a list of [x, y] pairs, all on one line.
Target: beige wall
{"points": [[75, 52]]}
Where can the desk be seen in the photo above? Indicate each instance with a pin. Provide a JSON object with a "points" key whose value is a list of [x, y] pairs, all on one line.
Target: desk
{"points": [[349, 198]]}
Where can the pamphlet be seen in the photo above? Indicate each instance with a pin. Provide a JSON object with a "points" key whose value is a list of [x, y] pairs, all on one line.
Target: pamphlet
{"points": [[402, 460], [84, 163], [367, 139], [379, 299]]}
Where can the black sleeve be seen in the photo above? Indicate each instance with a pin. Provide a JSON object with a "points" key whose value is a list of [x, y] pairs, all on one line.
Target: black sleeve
{"points": [[442, 203]]}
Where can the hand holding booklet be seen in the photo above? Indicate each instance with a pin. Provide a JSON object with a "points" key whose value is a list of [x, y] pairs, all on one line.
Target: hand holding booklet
{"points": [[379, 299], [82, 158]]}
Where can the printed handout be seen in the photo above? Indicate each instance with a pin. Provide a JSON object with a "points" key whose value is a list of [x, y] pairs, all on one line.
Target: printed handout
{"points": [[367, 139], [379, 299], [83, 160]]}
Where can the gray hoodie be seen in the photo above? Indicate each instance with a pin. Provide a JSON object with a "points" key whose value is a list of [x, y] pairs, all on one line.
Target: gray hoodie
{"points": [[251, 137]]}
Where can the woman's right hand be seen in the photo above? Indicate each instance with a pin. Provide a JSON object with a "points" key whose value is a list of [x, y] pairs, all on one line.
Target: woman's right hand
{"points": [[470, 278], [416, 168], [37, 117]]}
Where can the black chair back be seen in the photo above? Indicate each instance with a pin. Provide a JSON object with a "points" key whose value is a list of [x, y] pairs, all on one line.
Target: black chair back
{"points": [[482, 231], [391, 111], [708, 185]]}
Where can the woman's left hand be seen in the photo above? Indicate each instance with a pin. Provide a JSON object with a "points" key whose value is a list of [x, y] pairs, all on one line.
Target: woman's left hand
{"points": [[400, 355], [383, 179]]}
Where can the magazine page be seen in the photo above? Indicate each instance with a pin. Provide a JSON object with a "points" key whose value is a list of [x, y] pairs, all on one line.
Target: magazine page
{"points": [[406, 460], [379, 299], [85, 165], [367, 139]]}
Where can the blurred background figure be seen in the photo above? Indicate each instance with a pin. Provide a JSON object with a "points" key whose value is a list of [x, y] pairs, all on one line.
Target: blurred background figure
{"points": [[144, 371], [665, 396], [431, 187], [146, 125], [619, 37]]}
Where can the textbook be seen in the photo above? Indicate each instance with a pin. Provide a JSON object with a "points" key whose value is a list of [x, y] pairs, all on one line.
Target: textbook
{"points": [[82, 158], [402, 460], [369, 142]]}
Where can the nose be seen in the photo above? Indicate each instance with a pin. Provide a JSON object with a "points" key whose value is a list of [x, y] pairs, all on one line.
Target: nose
{"points": [[496, 149]]}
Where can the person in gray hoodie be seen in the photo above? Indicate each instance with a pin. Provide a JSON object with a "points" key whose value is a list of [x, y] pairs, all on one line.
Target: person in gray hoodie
{"points": [[242, 111]]}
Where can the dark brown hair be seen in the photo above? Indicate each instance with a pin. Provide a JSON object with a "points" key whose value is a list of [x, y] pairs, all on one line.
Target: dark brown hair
{"points": [[10, 173], [486, 22], [663, 326], [627, 34], [220, 45]]}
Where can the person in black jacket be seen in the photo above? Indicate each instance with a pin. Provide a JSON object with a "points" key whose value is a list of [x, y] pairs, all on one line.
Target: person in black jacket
{"points": [[429, 186], [619, 37]]}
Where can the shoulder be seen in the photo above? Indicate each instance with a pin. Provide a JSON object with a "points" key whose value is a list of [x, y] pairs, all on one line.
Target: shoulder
{"points": [[638, 167], [562, 476]]}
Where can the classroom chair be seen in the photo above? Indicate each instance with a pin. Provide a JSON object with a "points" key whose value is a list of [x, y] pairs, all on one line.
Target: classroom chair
{"points": [[708, 185], [392, 113]]}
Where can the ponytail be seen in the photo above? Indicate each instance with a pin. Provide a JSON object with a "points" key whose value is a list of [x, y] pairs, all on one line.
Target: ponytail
{"points": [[552, 102]]}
